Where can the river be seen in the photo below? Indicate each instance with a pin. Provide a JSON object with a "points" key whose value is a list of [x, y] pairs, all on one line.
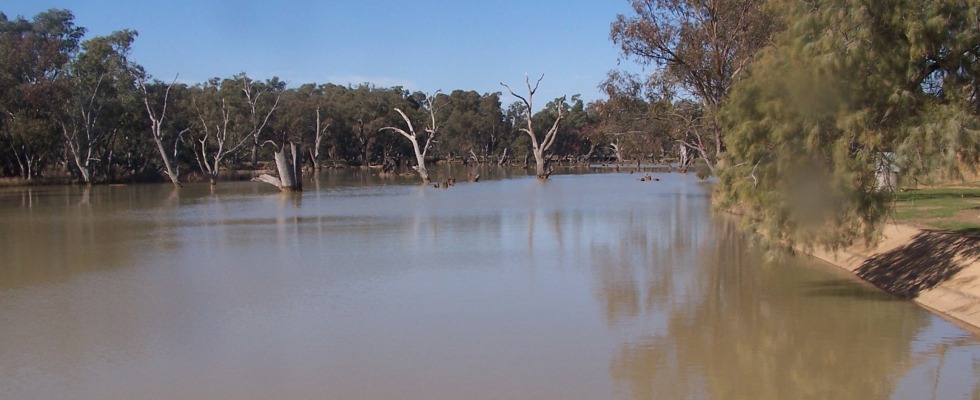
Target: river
{"points": [[586, 286]]}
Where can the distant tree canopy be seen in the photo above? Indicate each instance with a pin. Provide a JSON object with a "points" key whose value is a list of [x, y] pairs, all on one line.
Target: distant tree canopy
{"points": [[850, 90], [699, 48], [84, 108]]}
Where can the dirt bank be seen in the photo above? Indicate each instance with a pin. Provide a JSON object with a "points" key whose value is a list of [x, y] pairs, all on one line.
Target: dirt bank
{"points": [[939, 270]]}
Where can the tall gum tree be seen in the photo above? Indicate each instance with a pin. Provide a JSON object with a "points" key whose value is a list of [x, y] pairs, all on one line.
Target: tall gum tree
{"points": [[34, 55], [96, 80], [701, 46], [538, 148]]}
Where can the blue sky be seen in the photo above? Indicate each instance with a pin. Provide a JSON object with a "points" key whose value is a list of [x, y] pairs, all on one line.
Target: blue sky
{"points": [[422, 45]]}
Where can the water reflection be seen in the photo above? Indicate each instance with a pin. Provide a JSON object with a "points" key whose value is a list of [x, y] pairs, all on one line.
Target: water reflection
{"points": [[580, 287], [704, 318]]}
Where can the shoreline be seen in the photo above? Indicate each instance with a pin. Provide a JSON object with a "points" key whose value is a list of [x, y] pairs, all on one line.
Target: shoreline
{"points": [[935, 269]]}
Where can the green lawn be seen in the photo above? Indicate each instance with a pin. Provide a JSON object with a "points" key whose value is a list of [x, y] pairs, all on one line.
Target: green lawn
{"points": [[955, 209]]}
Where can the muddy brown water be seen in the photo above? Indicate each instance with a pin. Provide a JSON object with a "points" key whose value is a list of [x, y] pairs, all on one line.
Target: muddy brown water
{"points": [[587, 286]]}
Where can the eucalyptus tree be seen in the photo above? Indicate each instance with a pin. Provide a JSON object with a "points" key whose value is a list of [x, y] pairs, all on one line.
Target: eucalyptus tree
{"points": [[369, 109], [304, 113], [364, 107], [624, 113], [220, 127], [320, 126], [513, 140], [286, 128], [473, 123], [262, 100], [97, 81], [428, 104], [460, 124], [701, 46], [572, 138], [538, 148], [34, 55], [491, 130], [338, 134], [156, 98], [850, 88]]}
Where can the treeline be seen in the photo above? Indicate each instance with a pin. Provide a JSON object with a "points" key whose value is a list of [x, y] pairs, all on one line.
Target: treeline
{"points": [[77, 107]]}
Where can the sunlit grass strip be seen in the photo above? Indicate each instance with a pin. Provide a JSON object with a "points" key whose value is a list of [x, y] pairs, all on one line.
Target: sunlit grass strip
{"points": [[953, 209]]}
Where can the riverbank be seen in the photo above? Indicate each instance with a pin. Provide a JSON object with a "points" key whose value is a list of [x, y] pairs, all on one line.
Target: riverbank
{"points": [[939, 270]]}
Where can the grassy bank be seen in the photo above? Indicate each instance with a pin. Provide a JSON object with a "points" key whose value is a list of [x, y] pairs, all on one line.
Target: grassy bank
{"points": [[953, 208]]}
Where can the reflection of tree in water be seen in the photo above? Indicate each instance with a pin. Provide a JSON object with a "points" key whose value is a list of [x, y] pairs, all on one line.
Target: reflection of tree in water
{"points": [[704, 318]]}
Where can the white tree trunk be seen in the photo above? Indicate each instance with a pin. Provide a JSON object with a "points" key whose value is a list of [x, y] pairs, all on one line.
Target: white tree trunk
{"points": [[156, 127], [290, 170], [538, 148], [540, 164], [617, 151], [413, 137]]}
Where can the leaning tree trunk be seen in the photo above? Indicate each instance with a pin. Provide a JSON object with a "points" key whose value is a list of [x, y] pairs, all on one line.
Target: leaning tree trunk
{"points": [[413, 137], [290, 170], [503, 158], [172, 173], [420, 160]]}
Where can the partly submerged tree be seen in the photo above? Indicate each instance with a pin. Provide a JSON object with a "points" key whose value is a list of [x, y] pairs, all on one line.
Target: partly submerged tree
{"points": [[219, 131], [430, 133], [156, 98], [260, 108], [538, 147], [850, 90], [700, 46]]}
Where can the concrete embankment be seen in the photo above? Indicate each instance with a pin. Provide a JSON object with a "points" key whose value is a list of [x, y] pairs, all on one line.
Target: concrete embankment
{"points": [[937, 269]]}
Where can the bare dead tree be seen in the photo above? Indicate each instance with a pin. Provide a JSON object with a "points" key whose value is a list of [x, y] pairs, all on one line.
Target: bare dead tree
{"points": [[503, 158], [412, 136], [212, 148], [538, 148], [289, 166], [258, 120], [157, 118], [321, 132]]}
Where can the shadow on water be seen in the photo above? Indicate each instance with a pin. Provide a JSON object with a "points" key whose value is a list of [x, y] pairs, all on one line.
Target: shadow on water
{"points": [[845, 288], [929, 259]]}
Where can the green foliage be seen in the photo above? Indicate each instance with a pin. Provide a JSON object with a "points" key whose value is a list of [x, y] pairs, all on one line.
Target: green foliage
{"points": [[700, 48], [571, 138], [34, 55], [631, 122], [98, 90], [473, 122], [846, 84]]}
